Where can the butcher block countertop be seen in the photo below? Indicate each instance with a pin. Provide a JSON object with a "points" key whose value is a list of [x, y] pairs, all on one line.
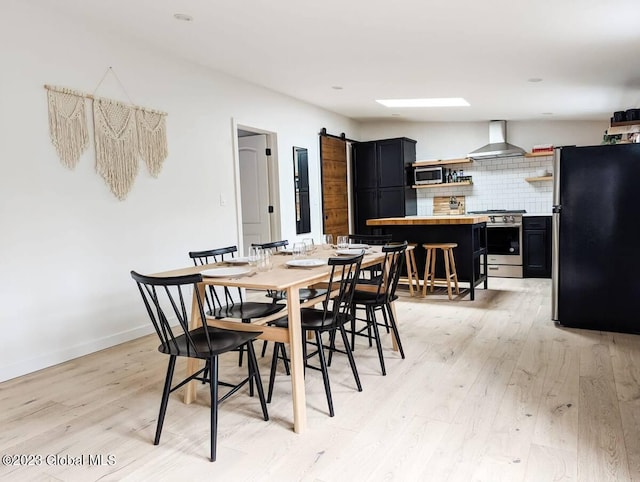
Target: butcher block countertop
{"points": [[429, 220]]}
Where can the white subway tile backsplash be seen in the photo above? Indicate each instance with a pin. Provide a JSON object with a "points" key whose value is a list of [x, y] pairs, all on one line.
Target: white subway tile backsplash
{"points": [[498, 184]]}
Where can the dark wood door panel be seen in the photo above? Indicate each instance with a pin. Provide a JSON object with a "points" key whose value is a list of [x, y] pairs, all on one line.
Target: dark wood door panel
{"points": [[335, 204]]}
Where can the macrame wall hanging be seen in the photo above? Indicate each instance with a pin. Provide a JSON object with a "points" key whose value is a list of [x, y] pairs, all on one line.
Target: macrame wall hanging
{"points": [[123, 134], [67, 125]]}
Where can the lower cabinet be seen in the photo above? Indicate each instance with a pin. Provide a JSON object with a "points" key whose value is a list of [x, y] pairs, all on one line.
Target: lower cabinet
{"points": [[536, 249]]}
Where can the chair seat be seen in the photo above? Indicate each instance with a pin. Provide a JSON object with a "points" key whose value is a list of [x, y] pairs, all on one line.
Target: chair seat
{"points": [[221, 341], [370, 298], [310, 319], [246, 310]]}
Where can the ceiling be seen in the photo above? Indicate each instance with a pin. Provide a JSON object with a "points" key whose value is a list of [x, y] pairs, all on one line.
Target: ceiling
{"points": [[585, 51]]}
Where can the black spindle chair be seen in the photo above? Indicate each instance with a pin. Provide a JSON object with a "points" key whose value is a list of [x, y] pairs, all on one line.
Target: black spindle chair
{"points": [[331, 318], [221, 303], [370, 273], [380, 299], [164, 299]]}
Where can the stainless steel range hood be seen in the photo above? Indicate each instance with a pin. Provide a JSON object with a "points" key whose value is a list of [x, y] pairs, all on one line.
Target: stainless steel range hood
{"points": [[498, 145]]}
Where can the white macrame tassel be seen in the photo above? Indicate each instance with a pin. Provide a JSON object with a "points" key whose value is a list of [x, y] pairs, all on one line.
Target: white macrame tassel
{"points": [[152, 139], [67, 126], [116, 145]]}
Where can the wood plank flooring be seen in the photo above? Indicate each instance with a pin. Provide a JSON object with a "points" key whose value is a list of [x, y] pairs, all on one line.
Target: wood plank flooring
{"points": [[490, 390]]}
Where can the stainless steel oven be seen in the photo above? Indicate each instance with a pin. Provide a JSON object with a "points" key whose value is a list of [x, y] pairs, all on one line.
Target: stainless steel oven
{"points": [[504, 243]]}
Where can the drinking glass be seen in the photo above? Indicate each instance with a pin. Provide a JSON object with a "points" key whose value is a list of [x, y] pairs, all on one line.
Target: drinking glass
{"points": [[328, 241], [254, 255], [343, 242], [298, 250], [309, 245], [264, 260]]}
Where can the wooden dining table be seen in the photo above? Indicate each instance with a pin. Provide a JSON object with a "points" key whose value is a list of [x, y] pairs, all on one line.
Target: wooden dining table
{"points": [[280, 277]]}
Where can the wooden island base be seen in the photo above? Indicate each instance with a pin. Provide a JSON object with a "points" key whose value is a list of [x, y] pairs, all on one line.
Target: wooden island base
{"points": [[470, 232]]}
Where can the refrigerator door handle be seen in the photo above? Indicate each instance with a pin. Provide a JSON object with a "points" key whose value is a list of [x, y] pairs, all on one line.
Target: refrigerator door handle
{"points": [[555, 263]]}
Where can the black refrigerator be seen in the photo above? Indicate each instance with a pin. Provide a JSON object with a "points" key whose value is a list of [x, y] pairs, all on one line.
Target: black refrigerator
{"points": [[596, 244]]}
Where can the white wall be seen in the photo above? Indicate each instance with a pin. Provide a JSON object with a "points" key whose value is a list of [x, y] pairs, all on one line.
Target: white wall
{"points": [[497, 183], [67, 244]]}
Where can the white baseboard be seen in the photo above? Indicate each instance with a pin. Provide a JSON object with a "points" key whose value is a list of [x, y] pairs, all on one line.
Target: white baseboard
{"points": [[45, 360]]}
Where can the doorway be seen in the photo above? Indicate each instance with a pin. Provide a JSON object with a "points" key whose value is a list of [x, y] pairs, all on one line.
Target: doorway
{"points": [[256, 187]]}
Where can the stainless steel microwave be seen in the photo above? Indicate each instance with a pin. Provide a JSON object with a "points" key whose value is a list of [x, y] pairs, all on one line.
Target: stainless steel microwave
{"points": [[428, 175]]}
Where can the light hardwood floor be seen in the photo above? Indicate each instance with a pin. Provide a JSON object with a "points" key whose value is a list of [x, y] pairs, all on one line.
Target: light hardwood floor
{"points": [[490, 390]]}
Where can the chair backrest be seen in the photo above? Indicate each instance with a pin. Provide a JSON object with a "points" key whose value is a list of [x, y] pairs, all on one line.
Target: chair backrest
{"points": [[392, 266], [371, 239], [344, 277], [212, 255], [164, 299], [276, 245], [212, 298]]}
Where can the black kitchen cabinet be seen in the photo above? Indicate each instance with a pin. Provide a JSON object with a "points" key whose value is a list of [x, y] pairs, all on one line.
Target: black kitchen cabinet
{"points": [[381, 176], [536, 249]]}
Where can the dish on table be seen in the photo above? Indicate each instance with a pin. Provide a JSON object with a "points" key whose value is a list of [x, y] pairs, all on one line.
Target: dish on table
{"points": [[242, 260], [225, 272], [349, 252], [306, 263], [358, 246]]}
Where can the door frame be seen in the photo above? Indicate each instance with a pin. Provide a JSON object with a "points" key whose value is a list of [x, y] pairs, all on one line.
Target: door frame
{"points": [[273, 179]]}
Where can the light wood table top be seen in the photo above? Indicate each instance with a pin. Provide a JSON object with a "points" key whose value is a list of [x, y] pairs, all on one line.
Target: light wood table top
{"points": [[429, 220]]}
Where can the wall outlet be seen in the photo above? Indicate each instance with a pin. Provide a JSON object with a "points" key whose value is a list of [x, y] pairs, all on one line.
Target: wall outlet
{"points": [[223, 200]]}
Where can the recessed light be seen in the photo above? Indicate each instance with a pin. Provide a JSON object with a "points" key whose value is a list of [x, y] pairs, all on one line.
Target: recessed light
{"points": [[336, 87], [434, 102], [534, 80], [183, 16]]}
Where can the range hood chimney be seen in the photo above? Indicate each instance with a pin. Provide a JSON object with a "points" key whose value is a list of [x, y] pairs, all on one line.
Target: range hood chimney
{"points": [[498, 145]]}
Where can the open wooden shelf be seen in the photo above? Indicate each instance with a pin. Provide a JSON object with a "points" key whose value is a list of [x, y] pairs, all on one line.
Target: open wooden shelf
{"points": [[442, 162], [538, 154], [540, 178], [444, 184]]}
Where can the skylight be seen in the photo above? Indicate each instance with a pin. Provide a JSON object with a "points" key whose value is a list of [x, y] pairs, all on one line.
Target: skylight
{"points": [[434, 102]]}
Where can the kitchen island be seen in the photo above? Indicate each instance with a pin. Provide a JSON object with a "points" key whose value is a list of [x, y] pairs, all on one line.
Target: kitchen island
{"points": [[468, 231]]}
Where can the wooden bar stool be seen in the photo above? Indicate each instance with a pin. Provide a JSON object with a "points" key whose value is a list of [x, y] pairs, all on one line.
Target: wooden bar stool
{"points": [[449, 267], [413, 280]]}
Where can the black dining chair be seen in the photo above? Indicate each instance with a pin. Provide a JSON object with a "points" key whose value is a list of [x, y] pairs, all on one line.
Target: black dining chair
{"points": [[220, 300], [305, 294], [331, 318], [167, 303], [370, 273], [379, 298]]}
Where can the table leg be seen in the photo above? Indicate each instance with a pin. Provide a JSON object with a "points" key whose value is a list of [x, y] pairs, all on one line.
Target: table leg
{"points": [[297, 361], [394, 342], [193, 363]]}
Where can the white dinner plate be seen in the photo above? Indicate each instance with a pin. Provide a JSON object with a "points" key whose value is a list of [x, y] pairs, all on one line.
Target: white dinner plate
{"points": [[243, 260], [358, 246], [348, 252], [306, 263], [225, 272]]}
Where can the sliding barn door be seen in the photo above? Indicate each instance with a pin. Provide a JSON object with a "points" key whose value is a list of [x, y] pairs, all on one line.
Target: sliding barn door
{"points": [[335, 189]]}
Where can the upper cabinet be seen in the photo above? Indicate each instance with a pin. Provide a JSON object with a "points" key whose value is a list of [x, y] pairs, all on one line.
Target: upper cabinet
{"points": [[379, 164], [380, 174]]}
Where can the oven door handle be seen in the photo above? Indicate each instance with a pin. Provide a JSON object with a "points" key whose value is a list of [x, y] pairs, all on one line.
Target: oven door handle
{"points": [[514, 225]]}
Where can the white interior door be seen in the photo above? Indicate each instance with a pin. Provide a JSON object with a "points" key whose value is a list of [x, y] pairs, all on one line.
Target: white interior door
{"points": [[254, 189]]}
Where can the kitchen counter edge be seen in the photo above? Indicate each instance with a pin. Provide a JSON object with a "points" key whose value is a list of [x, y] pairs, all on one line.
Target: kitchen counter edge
{"points": [[428, 220]]}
